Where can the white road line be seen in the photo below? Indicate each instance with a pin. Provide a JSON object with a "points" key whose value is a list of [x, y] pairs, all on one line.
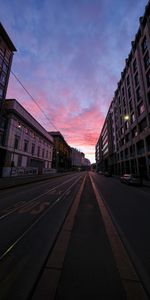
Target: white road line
{"points": [[32, 200], [37, 220]]}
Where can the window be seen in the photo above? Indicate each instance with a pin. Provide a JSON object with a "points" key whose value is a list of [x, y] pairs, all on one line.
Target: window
{"points": [[2, 52], [130, 105], [43, 152], [144, 44], [38, 153], [132, 117], [146, 60], [5, 67], [148, 78], [140, 108], [128, 80], [126, 125], [134, 66], [33, 149], [124, 104], [26, 143], [26, 130], [140, 147], [129, 92], [132, 150], [122, 130], [1, 92], [123, 91], [16, 142], [148, 143], [148, 96], [136, 79], [127, 138], [3, 78], [1, 60], [134, 132], [19, 126], [126, 153], [142, 125], [7, 55], [138, 94]]}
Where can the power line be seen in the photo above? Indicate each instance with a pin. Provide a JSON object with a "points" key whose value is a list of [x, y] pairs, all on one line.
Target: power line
{"points": [[33, 100]]}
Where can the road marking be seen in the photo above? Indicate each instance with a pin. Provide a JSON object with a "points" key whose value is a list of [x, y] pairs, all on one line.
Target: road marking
{"points": [[36, 221], [129, 277], [54, 265], [40, 208], [15, 207]]}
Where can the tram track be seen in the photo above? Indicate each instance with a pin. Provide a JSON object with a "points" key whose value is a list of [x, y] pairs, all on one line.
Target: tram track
{"points": [[32, 206]]}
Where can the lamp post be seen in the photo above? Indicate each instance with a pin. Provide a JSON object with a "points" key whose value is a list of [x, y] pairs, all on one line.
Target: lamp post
{"points": [[13, 154], [57, 160]]}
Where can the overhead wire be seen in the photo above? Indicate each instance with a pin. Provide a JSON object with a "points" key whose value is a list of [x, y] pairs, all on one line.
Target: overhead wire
{"points": [[33, 99]]}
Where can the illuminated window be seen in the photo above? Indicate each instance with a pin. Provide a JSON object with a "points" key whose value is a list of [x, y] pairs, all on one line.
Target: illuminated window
{"points": [[141, 108], [132, 117]]}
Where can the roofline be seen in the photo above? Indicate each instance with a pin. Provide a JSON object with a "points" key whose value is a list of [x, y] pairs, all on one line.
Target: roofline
{"points": [[7, 38]]}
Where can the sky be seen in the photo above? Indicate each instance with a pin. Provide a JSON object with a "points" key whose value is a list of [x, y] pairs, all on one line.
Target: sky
{"points": [[70, 55]]}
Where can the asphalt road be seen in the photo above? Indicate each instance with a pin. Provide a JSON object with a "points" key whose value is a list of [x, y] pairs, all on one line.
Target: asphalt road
{"points": [[30, 219], [129, 207]]}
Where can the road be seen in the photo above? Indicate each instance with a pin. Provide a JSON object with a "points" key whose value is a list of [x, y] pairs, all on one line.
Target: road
{"points": [[30, 219], [129, 207]]}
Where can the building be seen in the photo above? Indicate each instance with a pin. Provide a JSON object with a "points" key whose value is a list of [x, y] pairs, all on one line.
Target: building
{"points": [[77, 158], [6, 54], [7, 50], [27, 147], [61, 153], [86, 164], [105, 147], [131, 109]]}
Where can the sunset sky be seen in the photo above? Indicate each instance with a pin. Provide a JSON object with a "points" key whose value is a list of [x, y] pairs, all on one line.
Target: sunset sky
{"points": [[70, 54]]}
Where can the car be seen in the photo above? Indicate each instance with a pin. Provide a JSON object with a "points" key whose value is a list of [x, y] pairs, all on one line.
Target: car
{"points": [[100, 172], [107, 174], [133, 179]]}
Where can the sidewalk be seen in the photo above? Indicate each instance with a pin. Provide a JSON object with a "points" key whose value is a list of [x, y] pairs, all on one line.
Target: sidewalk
{"points": [[9, 182], [82, 264]]}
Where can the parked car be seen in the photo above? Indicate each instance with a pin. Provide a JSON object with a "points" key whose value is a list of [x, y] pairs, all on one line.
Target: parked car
{"points": [[131, 179], [107, 174], [100, 172]]}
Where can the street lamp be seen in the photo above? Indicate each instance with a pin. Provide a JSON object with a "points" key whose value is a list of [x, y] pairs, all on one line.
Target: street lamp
{"points": [[13, 154], [126, 117], [57, 160]]}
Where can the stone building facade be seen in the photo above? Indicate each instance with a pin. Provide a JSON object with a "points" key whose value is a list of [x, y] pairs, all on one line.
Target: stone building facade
{"points": [[131, 108]]}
